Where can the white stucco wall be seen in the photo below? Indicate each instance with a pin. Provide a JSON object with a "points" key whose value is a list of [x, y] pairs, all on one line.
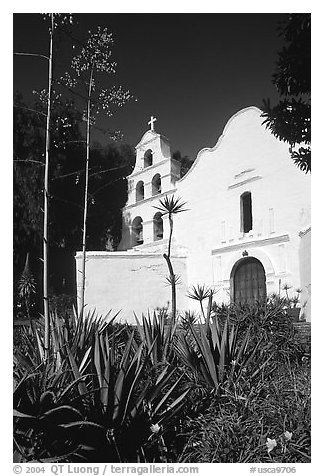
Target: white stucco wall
{"points": [[129, 282]]}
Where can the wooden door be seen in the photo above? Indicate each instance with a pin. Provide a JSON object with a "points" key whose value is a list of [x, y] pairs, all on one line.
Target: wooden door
{"points": [[249, 281]]}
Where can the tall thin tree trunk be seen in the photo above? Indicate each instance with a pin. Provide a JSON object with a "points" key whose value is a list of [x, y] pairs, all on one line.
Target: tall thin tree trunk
{"points": [[172, 275], [85, 210], [173, 286], [170, 236], [45, 224]]}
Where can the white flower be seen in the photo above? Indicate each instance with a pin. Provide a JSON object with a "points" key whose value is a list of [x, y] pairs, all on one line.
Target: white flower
{"points": [[271, 444], [288, 435], [155, 428]]}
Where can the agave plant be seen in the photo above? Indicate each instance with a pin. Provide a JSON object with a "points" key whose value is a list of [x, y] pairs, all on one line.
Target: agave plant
{"points": [[47, 426], [43, 403], [125, 403], [215, 355], [70, 339], [171, 206], [157, 336], [44, 383], [87, 404]]}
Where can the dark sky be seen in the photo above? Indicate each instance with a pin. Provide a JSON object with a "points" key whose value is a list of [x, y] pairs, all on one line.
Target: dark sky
{"points": [[192, 71]]}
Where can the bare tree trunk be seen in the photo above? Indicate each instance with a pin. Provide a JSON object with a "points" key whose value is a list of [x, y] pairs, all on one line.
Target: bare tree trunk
{"points": [[85, 211], [172, 275], [45, 224], [173, 286]]}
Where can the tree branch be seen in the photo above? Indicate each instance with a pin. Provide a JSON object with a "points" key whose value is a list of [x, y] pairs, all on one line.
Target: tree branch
{"points": [[31, 160], [32, 54]]}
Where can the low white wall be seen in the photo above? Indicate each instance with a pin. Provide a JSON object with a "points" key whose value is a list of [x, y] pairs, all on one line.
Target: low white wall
{"points": [[130, 282], [305, 272]]}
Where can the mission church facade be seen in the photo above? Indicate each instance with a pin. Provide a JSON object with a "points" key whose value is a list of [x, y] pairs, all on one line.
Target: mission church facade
{"points": [[245, 234]]}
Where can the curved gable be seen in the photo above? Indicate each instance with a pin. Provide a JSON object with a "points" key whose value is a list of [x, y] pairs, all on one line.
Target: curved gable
{"points": [[242, 118]]}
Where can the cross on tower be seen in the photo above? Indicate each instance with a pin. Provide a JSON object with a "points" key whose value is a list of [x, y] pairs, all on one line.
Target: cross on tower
{"points": [[151, 123]]}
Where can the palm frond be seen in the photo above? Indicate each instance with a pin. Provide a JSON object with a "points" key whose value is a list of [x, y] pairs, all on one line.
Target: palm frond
{"points": [[199, 292], [171, 205]]}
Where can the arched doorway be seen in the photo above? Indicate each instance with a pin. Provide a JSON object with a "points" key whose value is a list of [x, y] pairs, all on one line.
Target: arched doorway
{"points": [[248, 281]]}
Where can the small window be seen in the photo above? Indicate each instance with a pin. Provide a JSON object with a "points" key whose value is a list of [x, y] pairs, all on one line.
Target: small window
{"points": [[137, 231], [148, 158], [157, 227], [140, 191], [246, 212], [156, 184]]}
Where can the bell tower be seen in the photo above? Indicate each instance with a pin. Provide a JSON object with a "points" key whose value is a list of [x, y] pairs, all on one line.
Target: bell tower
{"points": [[154, 176]]}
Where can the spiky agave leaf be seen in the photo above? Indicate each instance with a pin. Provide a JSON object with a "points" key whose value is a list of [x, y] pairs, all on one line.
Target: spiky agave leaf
{"points": [[213, 350], [157, 336]]}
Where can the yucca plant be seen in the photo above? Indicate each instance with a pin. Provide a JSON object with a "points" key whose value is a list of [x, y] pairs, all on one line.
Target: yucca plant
{"points": [[200, 293], [187, 319], [171, 206]]}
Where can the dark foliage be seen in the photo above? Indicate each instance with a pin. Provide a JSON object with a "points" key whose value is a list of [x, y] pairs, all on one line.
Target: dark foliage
{"points": [[185, 162], [268, 320], [108, 185], [290, 119]]}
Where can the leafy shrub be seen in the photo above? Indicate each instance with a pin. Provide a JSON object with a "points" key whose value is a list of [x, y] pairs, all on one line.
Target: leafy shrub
{"points": [[268, 320], [62, 304], [236, 428]]}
